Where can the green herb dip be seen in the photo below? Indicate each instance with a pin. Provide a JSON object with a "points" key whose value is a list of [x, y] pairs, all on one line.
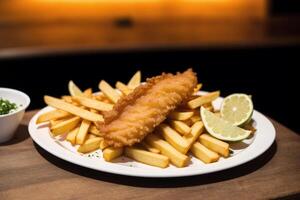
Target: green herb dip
{"points": [[6, 106]]}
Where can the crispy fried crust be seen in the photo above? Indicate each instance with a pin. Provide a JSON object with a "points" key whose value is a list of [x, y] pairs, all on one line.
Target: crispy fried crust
{"points": [[137, 114]]}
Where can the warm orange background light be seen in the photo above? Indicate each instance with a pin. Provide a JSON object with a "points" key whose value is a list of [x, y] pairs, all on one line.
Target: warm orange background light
{"points": [[47, 10], [94, 23]]}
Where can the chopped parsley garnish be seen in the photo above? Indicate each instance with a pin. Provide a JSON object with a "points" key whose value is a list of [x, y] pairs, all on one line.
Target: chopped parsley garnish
{"points": [[6, 106]]}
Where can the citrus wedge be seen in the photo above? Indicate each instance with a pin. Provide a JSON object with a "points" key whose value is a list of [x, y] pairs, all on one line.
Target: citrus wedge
{"points": [[222, 129], [237, 109], [74, 89]]}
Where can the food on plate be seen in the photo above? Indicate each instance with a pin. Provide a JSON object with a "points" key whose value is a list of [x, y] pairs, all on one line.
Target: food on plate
{"points": [[199, 101], [123, 88], [215, 145], [222, 129], [180, 127], [237, 109], [203, 153], [94, 104], [89, 145], [178, 159], [88, 92], [162, 122], [135, 80], [103, 145], [7, 107], [111, 153], [83, 131], [195, 118], [147, 157], [177, 115], [109, 91], [52, 115], [137, 114], [60, 104], [197, 88], [197, 129], [65, 126], [71, 136], [73, 89], [173, 137], [149, 148]]}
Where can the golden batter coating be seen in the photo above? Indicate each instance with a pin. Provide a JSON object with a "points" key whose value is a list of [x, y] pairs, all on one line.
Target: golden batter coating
{"points": [[137, 114]]}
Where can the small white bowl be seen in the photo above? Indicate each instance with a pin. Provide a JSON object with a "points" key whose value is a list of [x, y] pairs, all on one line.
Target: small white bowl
{"points": [[10, 122]]}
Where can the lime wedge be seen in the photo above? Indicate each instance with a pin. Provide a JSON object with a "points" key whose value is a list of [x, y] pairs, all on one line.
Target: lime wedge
{"points": [[74, 89], [222, 129], [237, 109]]}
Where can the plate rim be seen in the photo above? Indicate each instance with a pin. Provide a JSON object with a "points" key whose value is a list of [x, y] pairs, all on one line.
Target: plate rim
{"points": [[239, 159]]}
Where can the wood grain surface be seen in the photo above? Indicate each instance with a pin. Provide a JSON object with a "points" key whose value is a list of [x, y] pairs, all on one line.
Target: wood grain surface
{"points": [[29, 172]]}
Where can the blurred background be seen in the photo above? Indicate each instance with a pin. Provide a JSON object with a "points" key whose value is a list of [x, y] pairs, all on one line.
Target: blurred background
{"points": [[249, 46]]}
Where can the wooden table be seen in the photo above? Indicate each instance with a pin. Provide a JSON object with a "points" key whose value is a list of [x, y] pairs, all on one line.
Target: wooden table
{"points": [[29, 172]]}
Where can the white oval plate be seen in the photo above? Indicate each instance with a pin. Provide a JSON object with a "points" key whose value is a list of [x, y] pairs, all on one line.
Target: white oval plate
{"points": [[242, 152]]}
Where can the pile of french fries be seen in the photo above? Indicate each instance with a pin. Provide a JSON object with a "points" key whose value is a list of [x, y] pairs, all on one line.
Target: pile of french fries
{"points": [[173, 141]]}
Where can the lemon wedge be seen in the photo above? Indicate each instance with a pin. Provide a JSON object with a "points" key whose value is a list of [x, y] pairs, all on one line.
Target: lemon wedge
{"points": [[222, 129], [237, 109], [74, 89]]}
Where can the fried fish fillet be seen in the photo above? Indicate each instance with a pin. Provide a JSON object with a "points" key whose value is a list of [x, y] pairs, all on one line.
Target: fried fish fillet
{"points": [[137, 114]]}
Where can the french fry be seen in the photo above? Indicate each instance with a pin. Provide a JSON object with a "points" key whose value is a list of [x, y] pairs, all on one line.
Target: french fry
{"points": [[149, 148], [188, 122], [74, 103], [135, 80], [181, 116], [83, 130], [71, 137], [54, 122], [88, 93], [180, 127], [215, 145], [103, 144], [147, 157], [93, 110], [89, 145], [177, 158], [106, 100], [109, 92], [65, 126], [174, 138], [67, 99], [195, 118], [52, 115], [123, 88], [60, 104], [91, 103], [196, 112], [196, 130], [90, 136], [101, 97], [93, 130], [207, 105], [199, 101], [111, 153], [203, 153], [198, 87], [210, 108]]}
